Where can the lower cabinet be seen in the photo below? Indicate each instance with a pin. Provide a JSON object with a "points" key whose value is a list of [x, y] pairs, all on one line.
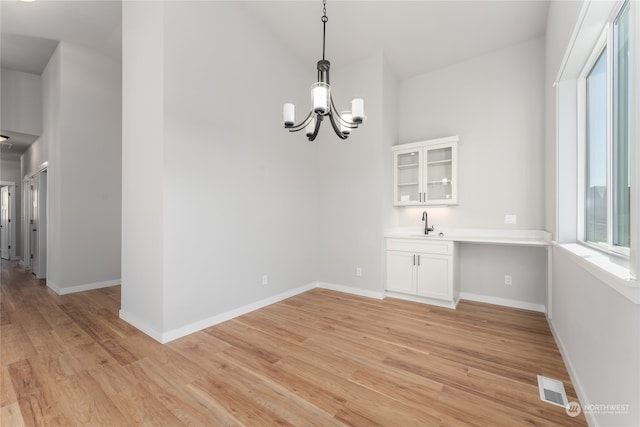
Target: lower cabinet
{"points": [[426, 269]]}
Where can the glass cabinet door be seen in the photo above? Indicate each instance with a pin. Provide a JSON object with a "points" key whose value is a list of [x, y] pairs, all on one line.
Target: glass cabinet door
{"points": [[425, 173], [439, 174], [407, 183]]}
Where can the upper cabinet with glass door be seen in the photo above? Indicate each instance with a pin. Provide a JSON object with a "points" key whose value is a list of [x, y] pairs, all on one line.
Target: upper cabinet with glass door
{"points": [[426, 173]]}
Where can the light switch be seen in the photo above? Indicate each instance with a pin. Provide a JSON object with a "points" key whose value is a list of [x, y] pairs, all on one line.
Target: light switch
{"points": [[510, 219]]}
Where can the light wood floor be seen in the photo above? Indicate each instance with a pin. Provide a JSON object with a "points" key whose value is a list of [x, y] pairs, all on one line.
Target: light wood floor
{"points": [[318, 359]]}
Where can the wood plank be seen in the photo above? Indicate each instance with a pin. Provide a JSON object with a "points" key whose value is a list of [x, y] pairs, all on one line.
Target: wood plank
{"points": [[186, 403], [135, 402], [11, 416], [16, 344], [7, 394], [37, 405], [82, 399], [319, 358]]}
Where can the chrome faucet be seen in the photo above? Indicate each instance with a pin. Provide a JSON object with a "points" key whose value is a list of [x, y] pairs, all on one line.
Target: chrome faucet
{"points": [[425, 218]]}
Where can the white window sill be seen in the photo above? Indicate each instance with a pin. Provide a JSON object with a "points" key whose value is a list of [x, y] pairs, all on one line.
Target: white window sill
{"points": [[601, 266]]}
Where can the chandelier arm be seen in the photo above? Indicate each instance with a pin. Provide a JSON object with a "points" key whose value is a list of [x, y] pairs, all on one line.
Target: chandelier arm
{"points": [[336, 128], [302, 125], [317, 128]]}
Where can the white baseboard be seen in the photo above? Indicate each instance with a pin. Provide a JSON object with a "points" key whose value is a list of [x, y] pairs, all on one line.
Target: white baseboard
{"points": [[582, 396], [422, 300], [504, 302], [223, 317], [351, 290], [81, 288], [141, 325]]}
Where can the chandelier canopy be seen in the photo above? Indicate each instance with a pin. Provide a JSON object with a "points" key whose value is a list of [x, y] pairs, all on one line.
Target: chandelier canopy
{"points": [[322, 102]]}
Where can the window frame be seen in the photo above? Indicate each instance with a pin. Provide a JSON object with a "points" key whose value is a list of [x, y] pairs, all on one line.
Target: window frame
{"points": [[619, 273], [604, 41]]}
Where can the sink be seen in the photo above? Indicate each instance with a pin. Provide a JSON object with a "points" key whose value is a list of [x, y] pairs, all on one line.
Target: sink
{"points": [[431, 235]]}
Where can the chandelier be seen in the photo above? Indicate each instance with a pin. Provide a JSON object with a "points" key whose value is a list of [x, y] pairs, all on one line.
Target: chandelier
{"points": [[322, 102]]}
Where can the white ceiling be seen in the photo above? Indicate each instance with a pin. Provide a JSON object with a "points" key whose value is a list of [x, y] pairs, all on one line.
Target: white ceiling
{"points": [[30, 31], [415, 36]]}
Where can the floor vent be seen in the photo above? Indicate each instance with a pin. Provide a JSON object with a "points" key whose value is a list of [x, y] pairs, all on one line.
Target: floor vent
{"points": [[552, 391]]}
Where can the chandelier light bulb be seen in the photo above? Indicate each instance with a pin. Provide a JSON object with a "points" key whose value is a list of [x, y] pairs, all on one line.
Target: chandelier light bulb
{"points": [[288, 114], [357, 110], [320, 96]]}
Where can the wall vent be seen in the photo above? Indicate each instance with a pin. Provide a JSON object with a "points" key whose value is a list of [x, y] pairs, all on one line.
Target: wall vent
{"points": [[552, 391], [5, 146]]}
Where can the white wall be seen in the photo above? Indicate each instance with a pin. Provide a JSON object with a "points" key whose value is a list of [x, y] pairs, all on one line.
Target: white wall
{"points": [[597, 331], [142, 165], [483, 267], [597, 328], [81, 129], [10, 170], [34, 158], [495, 104], [21, 102], [238, 192], [354, 181], [45, 150], [560, 24]]}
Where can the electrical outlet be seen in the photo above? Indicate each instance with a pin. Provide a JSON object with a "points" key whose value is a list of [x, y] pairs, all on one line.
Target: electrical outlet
{"points": [[507, 280], [358, 271], [265, 279], [510, 219]]}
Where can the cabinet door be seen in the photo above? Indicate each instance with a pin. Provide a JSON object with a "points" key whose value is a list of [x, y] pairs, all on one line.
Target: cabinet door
{"points": [[434, 276], [439, 174], [401, 272], [407, 174]]}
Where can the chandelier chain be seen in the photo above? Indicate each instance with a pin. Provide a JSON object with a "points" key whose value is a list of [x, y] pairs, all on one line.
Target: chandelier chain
{"points": [[324, 20]]}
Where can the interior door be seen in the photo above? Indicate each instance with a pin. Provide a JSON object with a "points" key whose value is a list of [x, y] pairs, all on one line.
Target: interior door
{"points": [[40, 268], [33, 226], [4, 223]]}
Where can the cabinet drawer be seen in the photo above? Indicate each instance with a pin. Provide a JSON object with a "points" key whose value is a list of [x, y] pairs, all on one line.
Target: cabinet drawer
{"points": [[425, 246]]}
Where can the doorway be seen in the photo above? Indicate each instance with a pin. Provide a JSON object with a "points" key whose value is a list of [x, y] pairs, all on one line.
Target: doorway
{"points": [[35, 220]]}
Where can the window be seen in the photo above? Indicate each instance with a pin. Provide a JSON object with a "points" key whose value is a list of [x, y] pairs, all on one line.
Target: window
{"points": [[596, 152], [606, 130], [597, 87]]}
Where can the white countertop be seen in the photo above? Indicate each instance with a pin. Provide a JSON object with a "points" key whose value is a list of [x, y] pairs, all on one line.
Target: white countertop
{"points": [[476, 235]]}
